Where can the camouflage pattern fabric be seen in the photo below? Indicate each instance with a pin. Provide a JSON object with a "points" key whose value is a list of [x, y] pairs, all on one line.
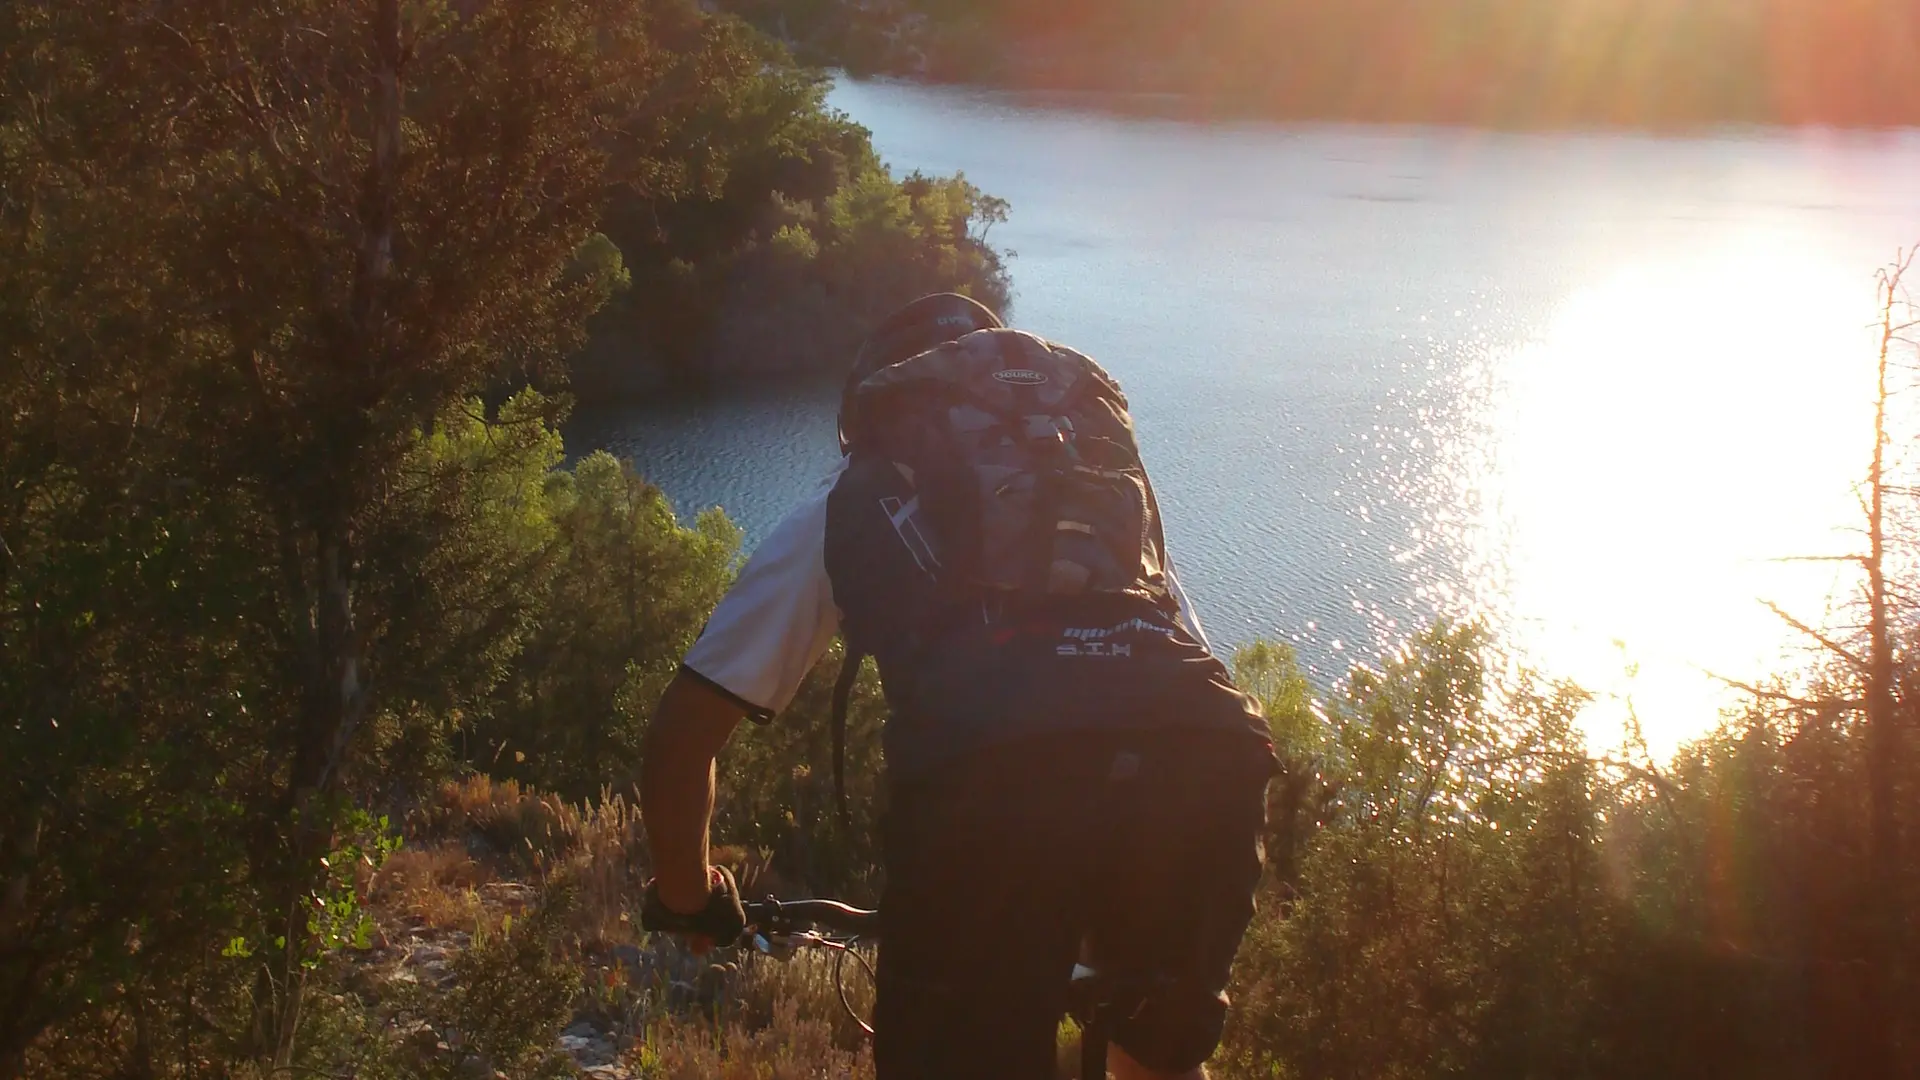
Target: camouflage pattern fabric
{"points": [[1024, 458]]}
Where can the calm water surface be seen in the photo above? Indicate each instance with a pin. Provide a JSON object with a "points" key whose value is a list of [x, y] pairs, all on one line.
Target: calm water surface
{"points": [[1593, 388]]}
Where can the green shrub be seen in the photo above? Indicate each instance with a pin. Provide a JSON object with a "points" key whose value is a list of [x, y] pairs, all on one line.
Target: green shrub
{"points": [[798, 243]]}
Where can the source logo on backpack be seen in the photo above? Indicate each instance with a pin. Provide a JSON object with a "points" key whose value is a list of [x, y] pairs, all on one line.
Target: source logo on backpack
{"points": [[1020, 377]]}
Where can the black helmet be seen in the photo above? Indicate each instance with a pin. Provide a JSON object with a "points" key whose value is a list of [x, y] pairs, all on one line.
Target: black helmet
{"points": [[928, 322]]}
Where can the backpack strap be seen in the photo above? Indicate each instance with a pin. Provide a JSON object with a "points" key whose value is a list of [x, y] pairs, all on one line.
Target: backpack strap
{"points": [[842, 697]]}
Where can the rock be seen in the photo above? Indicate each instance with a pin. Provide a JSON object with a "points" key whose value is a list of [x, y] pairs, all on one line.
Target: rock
{"points": [[587, 1046], [632, 959], [512, 895], [429, 964]]}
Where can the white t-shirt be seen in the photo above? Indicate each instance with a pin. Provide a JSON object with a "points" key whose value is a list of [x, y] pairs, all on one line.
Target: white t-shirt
{"points": [[779, 617]]}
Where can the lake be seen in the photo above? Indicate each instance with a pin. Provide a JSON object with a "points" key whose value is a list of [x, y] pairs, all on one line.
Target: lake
{"points": [[1601, 390]]}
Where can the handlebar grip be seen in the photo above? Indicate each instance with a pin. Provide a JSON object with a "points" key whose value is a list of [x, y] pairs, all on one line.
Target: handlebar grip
{"points": [[830, 914]]}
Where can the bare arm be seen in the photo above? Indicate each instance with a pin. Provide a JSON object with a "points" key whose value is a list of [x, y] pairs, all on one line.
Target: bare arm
{"points": [[676, 786]]}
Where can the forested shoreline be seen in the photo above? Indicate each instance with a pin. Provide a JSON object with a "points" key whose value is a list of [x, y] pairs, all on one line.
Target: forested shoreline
{"points": [[324, 672], [1493, 63], [785, 240]]}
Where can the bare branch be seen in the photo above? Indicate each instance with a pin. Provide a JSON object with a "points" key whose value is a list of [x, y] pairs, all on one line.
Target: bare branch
{"points": [[1834, 646], [1819, 559], [1784, 698]]}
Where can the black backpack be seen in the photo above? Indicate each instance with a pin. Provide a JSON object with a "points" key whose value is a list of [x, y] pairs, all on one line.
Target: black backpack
{"points": [[993, 488]]}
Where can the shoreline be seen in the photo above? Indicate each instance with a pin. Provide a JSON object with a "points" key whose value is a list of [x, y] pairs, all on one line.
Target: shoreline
{"points": [[1203, 108]]}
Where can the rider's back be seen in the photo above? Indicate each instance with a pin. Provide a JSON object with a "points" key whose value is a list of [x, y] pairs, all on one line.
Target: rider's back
{"points": [[994, 542]]}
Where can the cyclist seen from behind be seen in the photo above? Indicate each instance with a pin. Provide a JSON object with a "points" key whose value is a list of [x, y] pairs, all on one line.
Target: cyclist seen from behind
{"points": [[1071, 775]]}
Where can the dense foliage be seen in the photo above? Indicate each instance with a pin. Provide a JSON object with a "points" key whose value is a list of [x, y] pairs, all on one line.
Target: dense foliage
{"points": [[1475, 61], [1472, 895], [288, 552], [787, 239], [268, 562]]}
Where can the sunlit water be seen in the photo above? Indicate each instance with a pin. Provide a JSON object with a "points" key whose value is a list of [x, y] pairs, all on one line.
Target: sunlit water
{"points": [[1600, 390]]}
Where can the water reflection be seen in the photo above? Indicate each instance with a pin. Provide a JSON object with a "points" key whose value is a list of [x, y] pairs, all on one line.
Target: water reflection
{"points": [[1632, 483]]}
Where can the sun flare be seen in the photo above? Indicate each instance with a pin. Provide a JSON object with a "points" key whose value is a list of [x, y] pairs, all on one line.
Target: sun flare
{"points": [[1660, 461]]}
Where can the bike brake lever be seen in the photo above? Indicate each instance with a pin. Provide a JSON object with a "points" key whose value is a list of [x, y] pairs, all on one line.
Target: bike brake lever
{"points": [[777, 946]]}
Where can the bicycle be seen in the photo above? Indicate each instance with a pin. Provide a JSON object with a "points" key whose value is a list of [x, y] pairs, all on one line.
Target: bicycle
{"points": [[781, 928]]}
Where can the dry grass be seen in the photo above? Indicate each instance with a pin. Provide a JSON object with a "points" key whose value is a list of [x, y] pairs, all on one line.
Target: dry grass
{"points": [[753, 871], [432, 886], [796, 1045], [606, 868], [747, 1017], [509, 821], [763, 987], [596, 849]]}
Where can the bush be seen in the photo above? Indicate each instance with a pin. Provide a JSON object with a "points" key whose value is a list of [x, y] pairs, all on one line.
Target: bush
{"points": [[1451, 907], [624, 591], [798, 244], [500, 1010]]}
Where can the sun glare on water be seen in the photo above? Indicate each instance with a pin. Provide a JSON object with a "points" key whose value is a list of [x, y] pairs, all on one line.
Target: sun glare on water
{"points": [[1662, 462]]}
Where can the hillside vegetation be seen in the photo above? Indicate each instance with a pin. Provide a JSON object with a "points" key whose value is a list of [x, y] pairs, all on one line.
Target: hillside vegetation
{"points": [[323, 671], [1644, 63]]}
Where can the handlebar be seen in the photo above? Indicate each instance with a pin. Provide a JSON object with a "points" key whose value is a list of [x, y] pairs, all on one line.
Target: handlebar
{"points": [[779, 928], [786, 916]]}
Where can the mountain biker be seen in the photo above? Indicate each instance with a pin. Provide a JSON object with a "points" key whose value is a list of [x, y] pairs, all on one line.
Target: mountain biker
{"points": [[1070, 773]]}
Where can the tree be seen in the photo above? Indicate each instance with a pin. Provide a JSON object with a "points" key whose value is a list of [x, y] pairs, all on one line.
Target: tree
{"points": [[1868, 663], [304, 231], [626, 590], [1886, 749]]}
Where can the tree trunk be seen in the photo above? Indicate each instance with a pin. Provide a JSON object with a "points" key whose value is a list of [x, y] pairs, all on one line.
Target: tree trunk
{"points": [[336, 696], [18, 853], [1883, 742], [1283, 853]]}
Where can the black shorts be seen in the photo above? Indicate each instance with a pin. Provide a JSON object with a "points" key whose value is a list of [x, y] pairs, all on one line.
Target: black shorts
{"points": [[1143, 849]]}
